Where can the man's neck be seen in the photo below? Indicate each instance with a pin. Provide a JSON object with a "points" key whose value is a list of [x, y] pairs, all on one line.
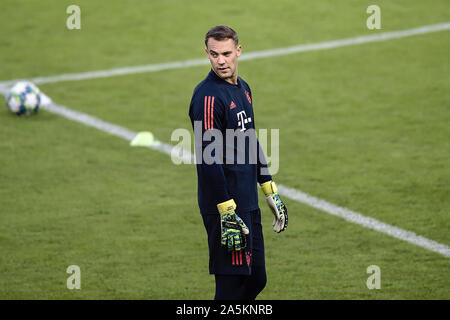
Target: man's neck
{"points": [[232, 80]]}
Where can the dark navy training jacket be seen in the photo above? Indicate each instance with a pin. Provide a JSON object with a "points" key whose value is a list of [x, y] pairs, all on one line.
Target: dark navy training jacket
{"points": [[228, 156]]}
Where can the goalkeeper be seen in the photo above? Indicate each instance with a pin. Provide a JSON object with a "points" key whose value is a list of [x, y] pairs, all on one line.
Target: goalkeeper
{"points": [[227, 191]]}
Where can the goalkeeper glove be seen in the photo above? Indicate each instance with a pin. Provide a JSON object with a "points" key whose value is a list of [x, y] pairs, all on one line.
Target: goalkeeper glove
{"points": [[279, 210], [234, 230]]}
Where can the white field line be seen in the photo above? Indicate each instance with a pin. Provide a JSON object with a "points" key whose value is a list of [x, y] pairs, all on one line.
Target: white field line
{"points": [[246, 56], [368, 222], [104, 126], [290, 193]]}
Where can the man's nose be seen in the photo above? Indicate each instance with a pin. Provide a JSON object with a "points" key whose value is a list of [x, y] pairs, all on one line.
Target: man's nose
{"points": [[220, 60]]}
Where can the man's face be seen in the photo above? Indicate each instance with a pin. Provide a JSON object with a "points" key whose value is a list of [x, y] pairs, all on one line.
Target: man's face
{"points": [[223, 56]]}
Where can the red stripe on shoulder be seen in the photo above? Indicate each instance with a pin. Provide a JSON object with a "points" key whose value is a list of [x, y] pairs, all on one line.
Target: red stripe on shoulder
{"points": [[204, 113], [208, 119], [212, 114]]}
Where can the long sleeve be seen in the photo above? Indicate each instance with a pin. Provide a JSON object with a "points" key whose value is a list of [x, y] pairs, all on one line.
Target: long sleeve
{"points": [[263, 174], [207, 111], [262, 168]]}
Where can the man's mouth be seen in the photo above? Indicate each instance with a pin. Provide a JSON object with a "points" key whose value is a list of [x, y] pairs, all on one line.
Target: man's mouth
{"points": [[223, 68]]}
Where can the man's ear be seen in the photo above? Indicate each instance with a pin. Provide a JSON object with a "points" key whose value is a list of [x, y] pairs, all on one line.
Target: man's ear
{"points": [[239, 50]]}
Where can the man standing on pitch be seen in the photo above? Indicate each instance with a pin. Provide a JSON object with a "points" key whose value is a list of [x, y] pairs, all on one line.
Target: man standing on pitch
{"points": [[227, 191]]}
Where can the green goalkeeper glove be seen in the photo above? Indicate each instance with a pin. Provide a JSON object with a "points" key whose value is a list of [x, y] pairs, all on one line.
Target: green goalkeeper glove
{"points": [[234, 230], [279, 210]]}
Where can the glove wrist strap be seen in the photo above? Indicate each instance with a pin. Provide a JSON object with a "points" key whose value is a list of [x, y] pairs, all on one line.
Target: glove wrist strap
{"points": [[227, 206], [269, 187]]}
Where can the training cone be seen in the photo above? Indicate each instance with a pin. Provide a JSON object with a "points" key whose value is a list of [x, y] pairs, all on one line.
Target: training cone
{"points": [[143, 139]]}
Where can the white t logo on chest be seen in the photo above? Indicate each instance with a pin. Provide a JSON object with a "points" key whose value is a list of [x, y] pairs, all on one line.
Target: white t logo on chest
{"points": [[243, 120]]}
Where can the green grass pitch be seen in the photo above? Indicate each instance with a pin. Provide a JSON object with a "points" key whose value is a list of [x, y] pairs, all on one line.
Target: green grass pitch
{"points": [[365, 127]]}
